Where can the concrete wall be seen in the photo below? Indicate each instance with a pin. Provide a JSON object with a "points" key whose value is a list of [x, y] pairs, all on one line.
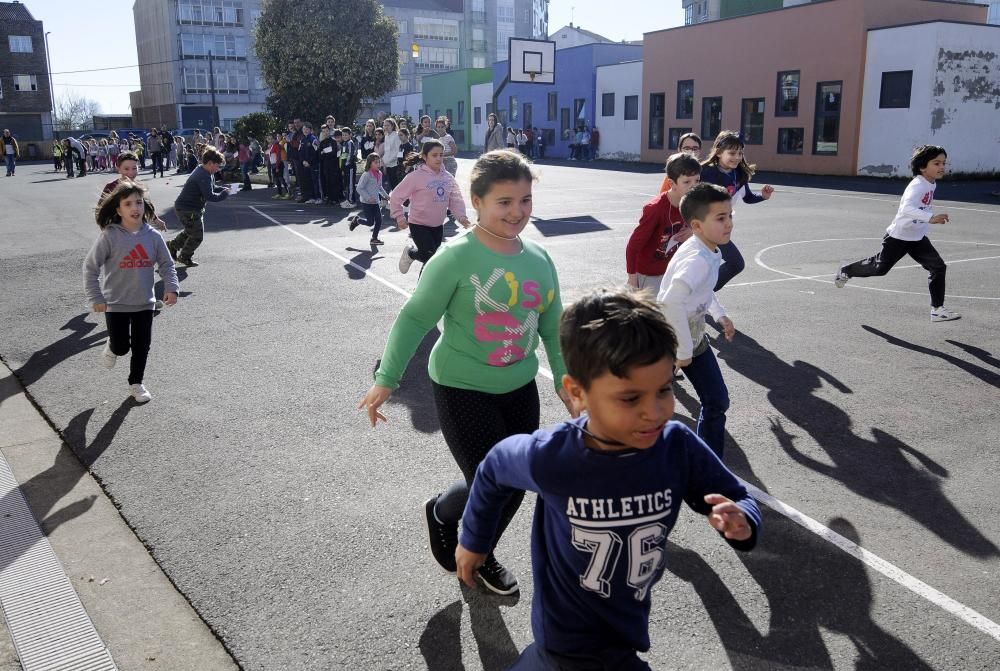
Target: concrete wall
{"points": [[480, 95], [954, 98], [619, 138]]}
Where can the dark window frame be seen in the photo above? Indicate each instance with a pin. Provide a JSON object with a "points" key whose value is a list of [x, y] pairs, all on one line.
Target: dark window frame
{"points": [[707, 134], [887, 99], [802, 133], [674, 137], [477, 115], [682, 113], [819, 115], [779, 99], [655, 121], [552, 113], [635, 112], [608, 109], [747, 137]]}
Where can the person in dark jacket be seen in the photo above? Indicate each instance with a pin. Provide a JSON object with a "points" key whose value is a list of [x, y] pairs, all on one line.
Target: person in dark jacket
{"points": [[190, 206], [11, 152]]}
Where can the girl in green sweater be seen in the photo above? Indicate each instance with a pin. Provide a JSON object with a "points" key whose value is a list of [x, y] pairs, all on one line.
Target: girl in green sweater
{"points": [[499, 296]]}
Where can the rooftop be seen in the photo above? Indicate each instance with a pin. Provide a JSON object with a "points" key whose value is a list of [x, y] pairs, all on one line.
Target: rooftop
{"points": [[14, 11]]}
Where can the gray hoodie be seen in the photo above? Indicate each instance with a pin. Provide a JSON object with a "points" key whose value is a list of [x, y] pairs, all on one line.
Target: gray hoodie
{"points": [[127, 259]]}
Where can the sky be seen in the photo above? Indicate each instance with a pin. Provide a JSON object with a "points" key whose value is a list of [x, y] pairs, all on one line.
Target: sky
{"points": [[83, 38]]}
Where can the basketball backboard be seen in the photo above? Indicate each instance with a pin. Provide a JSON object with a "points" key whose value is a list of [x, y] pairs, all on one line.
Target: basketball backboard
{"points": [[531, 61]]}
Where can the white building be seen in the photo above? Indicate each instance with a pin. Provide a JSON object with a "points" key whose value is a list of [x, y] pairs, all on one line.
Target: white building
{"points": [[481, 96], [619, 110], [943, 89], [574, 36], [411, 104]]}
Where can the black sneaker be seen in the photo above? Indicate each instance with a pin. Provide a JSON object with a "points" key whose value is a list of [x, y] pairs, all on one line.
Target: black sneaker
{"points": [[188, 261], [496, 577], [443, 537]]}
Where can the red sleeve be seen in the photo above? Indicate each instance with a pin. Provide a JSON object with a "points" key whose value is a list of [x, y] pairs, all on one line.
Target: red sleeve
{"points": [[646, 236]]}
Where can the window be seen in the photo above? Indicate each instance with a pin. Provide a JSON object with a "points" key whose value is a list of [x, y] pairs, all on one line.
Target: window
{"points": [[564, 122], [553, 106], [418, 84], [220, 46], [579, 111], [711, 118], [826, 130], [548, 136], [657, 109], [460, 119], [435, 29], [631, 108], [529, 114], [608, 104], [25, 83], [896, 89], [401, 24], [210, 12], [787, 95], [674, 139], [20, 44], [477, 115], [512, 106], [752, 120], [437, 58], [685, 99], [790, 140]]}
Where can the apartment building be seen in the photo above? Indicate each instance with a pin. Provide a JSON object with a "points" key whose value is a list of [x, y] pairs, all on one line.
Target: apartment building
{"points": [[25, 96]]}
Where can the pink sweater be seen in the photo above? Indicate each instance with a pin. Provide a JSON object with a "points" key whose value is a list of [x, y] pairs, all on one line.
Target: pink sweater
{"points": [[431, 195]]}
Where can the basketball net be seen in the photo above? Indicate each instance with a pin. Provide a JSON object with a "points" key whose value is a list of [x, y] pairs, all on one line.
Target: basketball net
{"points": [[532, 75]]}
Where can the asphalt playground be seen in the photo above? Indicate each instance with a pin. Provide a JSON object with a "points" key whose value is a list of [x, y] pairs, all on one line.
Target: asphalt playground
{"points": [[295, 530]]}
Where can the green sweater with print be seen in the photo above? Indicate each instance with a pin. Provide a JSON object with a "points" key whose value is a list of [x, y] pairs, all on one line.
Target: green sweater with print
{"points": [[495, 307]]}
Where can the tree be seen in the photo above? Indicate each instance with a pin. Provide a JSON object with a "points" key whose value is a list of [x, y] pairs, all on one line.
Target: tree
{"points": [[320, 57], [74, 112], [256, 125]]}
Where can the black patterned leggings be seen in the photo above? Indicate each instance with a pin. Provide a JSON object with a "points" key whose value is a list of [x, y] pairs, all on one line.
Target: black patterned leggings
{"points": [[472, 423]]}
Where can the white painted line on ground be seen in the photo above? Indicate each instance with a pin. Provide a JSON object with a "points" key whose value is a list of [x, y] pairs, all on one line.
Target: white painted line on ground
{"points": [[881, 200], [818, 278], [870, 559], [915, 585]]}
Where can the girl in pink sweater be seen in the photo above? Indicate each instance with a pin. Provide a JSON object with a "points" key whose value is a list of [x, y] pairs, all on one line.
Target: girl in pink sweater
{"points": [[432, 191]]}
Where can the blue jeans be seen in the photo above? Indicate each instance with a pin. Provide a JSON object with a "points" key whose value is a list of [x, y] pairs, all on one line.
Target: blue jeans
{"points": [[10, 163], [732, 265], [535, 658], [706, 378]]}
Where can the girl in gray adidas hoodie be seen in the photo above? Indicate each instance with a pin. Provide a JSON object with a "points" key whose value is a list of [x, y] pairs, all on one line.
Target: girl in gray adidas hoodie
{"points": [[126, 251]]}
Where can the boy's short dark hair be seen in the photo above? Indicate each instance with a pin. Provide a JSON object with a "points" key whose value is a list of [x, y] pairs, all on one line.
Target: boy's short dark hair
{"points": [[697, 201], [126, 156], [338, 133], [682, 165], [923, 155], [212, 155], [613, 330]]}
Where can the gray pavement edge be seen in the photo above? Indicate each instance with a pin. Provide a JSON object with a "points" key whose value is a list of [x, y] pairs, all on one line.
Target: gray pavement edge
{"points": [[139, 614]]}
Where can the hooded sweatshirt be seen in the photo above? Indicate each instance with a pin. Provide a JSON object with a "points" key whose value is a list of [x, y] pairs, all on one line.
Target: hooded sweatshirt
{"points": [[431, 195], [127, 259]]}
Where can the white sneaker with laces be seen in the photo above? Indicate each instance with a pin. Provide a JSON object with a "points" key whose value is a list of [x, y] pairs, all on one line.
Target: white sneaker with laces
{"points": [[405, 260], [140, 393], [108, 358], [943, 314], [841, 279]]}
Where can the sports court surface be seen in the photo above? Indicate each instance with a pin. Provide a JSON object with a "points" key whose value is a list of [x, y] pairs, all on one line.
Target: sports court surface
{"points": [[296, 530]]}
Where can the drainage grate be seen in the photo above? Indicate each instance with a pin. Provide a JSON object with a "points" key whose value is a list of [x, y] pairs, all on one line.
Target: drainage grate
{"points": [[50, 629]]}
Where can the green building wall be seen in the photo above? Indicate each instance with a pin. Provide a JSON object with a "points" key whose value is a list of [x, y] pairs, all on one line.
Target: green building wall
{"points": [[729, 8], [449, 93]]}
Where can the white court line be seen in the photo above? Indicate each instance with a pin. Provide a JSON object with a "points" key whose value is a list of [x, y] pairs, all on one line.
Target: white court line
{"points": [[817, 278], [883, 200], [964, 613]]}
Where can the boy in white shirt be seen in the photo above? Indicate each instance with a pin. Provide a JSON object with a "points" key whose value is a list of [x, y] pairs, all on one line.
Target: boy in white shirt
{"points": [[907, 234], [687, 295]]}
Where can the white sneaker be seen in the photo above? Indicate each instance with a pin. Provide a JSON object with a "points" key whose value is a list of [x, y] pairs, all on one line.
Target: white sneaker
{"points": [[943, 314], [140, 393], [405, 260], [841, 279], [108, 358], [346, 204]]}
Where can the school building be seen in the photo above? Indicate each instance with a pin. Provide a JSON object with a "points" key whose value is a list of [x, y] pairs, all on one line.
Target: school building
{"points": [[837, 87], [449, 94], [558, 109]]}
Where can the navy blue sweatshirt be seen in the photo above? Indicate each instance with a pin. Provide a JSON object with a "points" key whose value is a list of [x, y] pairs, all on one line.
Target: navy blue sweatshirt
{"points": [[598, 538], [731, 182], [198, 190]]}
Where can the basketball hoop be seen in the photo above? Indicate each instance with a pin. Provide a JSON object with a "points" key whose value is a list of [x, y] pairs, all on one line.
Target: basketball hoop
{"points": [[532, 74]]}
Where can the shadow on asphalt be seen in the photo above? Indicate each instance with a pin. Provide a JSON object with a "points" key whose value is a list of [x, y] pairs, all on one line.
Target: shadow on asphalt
{"points": [[811, 588], [978, 372], [79, 339], [415, 390], [441, 640], [362, 258], [584, 223], [877, 468]]}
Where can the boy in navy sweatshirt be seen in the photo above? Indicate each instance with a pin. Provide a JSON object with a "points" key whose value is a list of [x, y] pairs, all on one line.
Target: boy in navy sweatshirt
{"points": [[609, 486]]}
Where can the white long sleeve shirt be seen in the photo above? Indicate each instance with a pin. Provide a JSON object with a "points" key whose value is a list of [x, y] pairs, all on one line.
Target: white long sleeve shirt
{"points": [[687, 295], [913, 218]]}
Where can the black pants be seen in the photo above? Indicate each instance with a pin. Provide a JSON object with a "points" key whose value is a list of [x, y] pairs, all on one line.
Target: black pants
{"points": [[372, 217], [733, 265], [329, 173], [427, 239], [131, 331], [893, 249], [305, 181], [278, 176], [157, 163], [472, 423]]}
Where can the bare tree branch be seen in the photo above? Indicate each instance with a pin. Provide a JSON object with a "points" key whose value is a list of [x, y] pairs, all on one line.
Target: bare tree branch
{"points": [[74, 111]]}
